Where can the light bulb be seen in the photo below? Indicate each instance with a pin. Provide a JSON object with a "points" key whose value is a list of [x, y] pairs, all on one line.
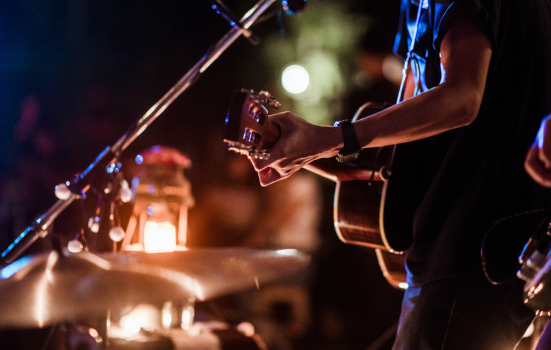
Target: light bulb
{"points": [[116, 233], [126, 194], [75, 246], [62, 192]]}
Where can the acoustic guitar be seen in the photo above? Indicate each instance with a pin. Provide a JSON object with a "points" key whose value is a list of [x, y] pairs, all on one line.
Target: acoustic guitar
{"points": [[359, 208], [359, 205]]}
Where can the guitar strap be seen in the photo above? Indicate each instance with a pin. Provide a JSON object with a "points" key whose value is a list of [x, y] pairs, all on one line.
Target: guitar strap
{"points": [[409, 54], [385, 172]]}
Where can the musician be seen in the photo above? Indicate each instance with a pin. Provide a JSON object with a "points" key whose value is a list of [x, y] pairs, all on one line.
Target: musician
{"points": [[479, 79]]}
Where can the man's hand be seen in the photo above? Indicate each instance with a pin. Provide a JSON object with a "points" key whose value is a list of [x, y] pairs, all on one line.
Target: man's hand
{"points": [[538, 159], [299, 144], [465, 55]]}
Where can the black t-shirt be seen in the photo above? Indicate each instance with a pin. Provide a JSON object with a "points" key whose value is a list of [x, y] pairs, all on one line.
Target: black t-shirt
{"points": [[476, 172]]}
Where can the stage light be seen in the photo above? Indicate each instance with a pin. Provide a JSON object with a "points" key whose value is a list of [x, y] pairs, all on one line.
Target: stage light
{"points": [[295, 79], [159, 237], [403, 285], [143, 316], [167, 315], [188, 313]]}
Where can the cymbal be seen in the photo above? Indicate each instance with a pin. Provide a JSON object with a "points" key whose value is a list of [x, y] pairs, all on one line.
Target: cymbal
{"points": [[219, 271], [47, 288]]}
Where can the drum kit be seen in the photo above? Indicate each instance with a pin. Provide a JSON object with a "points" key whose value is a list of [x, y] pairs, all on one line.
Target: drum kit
{"points": [[51, 288], [82, 292]]}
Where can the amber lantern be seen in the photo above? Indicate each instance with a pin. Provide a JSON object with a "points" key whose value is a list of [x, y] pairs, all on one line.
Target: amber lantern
{"points": [[162, 197]]}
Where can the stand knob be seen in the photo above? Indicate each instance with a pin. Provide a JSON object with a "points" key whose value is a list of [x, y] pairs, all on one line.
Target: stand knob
{"points": [[62, 192]]}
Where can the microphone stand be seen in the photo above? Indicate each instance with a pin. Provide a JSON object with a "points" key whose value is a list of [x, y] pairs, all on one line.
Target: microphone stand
{"points": [[106, 159]]}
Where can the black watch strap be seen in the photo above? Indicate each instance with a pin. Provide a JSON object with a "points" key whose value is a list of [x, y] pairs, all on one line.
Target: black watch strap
{"points": [[351, 149]]}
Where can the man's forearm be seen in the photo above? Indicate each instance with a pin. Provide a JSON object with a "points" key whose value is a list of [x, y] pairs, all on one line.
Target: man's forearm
{"points": [[465, 56], [333, 170]]}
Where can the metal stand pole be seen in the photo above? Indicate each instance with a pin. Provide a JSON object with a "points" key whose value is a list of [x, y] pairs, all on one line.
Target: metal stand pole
{"points": [[83, 181]]}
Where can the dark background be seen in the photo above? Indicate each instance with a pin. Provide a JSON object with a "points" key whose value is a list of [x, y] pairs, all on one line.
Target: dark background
{"points": [[61, 51]]}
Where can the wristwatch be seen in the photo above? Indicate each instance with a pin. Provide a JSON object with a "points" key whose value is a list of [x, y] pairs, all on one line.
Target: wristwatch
{"points": [[351, 149]]}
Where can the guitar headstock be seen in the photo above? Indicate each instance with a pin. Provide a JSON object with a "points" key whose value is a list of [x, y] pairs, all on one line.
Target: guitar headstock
{"points": [[247, 128]]}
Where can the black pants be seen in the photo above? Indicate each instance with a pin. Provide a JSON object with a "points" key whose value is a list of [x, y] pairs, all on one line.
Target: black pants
{"points": [[463, 312]]}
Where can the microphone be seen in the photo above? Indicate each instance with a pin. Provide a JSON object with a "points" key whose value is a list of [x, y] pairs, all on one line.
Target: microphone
{"points": [[294, 7]]}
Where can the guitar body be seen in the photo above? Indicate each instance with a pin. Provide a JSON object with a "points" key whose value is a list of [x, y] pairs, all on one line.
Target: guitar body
{"points": [[393, 267], [360, 206], [359, 218], [357, 213], [379, 214], [376, 214]]}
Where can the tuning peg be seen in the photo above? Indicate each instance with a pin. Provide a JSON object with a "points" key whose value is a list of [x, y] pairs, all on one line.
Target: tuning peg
{"points": [[266, 97]]}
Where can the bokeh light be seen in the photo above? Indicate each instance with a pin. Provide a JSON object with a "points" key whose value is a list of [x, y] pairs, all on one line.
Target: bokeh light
{"points": [[295, 79]]}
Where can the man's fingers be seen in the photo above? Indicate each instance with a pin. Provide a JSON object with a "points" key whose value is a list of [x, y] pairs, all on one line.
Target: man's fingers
{"points": [[536, 168], [260, 164]]}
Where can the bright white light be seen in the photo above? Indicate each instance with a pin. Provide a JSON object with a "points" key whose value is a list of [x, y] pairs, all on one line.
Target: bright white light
{"points": [[295, 79], [116, 233], [187, 317], [287, 252], [529, 331], [159, 237], [142, 316], [403, 285], [132, 324], [75, 246], [167, 318], [62, 192], [167, 315]]}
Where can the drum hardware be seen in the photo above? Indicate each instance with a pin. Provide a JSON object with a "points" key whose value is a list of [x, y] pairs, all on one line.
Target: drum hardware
{"points": [[50, 288], [62, 288]]}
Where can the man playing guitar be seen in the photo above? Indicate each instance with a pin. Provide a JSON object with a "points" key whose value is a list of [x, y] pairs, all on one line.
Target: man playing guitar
{"points": [[479, 78]]}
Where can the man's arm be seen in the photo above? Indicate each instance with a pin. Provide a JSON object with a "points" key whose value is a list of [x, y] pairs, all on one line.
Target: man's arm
{"points": [[333, 170], [538, 159], [465, 56]]}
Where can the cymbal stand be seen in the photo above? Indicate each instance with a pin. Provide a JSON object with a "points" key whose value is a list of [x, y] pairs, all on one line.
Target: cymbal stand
{"points": [[107, 159]]}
